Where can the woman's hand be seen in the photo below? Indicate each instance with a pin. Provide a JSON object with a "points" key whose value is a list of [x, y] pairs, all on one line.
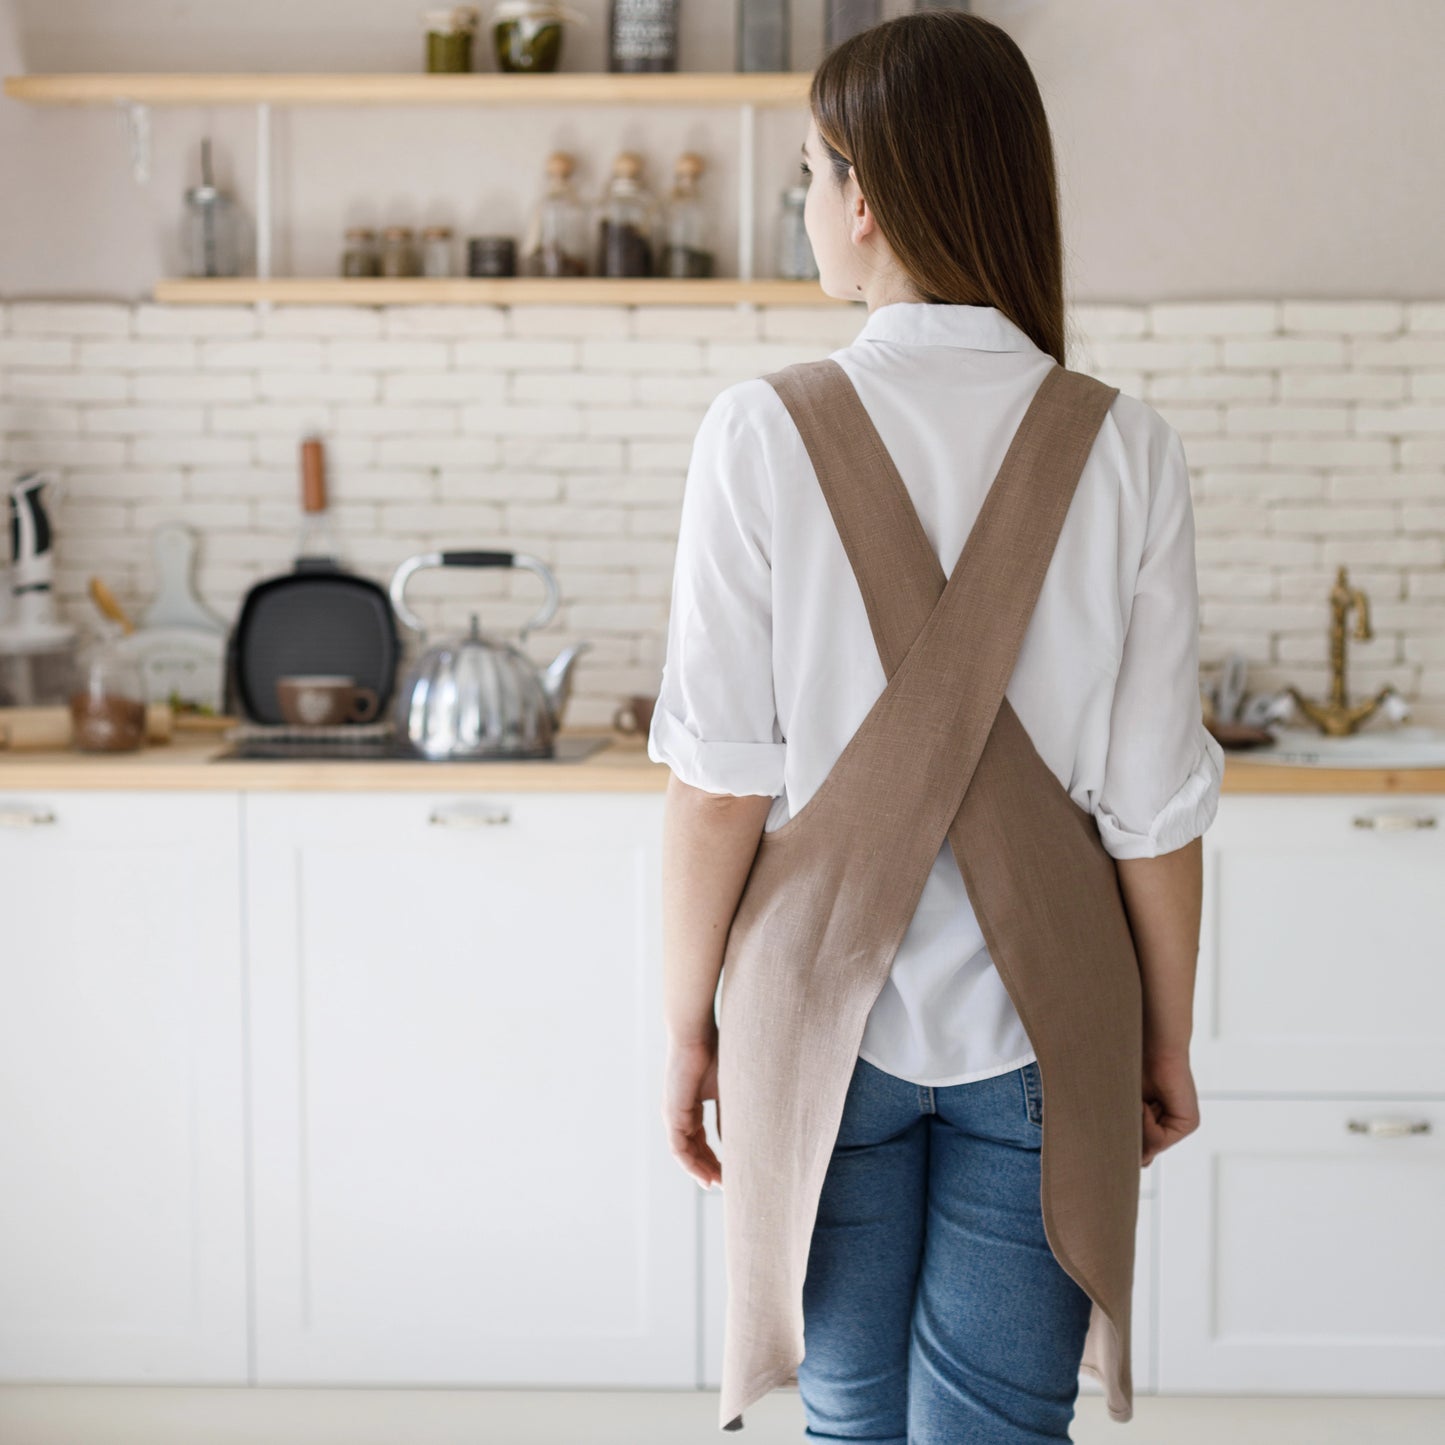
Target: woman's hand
{"points": [[690, 1077], [1171, 1106]]}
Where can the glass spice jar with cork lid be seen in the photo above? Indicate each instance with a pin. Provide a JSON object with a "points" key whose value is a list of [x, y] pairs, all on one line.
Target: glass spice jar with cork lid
{"points": [[556, 239], [627, 222], [686, 250], [360, 256], [398, 254], [449, 35]]}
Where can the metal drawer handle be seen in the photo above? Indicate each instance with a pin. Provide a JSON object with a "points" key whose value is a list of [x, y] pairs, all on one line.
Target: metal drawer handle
{"points": [[1396, 822], [25, 817], [469, 817], [1388, 1128]]}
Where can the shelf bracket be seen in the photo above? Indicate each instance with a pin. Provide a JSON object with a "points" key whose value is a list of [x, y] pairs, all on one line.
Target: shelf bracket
{"points": [[138, 130]]}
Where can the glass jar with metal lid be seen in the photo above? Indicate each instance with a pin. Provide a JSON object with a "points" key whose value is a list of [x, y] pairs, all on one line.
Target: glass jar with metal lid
{"points": [[527, 34]]}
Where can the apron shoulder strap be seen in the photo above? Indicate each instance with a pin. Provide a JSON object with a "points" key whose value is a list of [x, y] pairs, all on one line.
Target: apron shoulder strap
{"points": [[1001, 568]]}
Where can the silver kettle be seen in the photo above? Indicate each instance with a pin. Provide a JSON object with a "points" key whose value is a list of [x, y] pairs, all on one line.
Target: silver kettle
{"points": [[477, 696]]}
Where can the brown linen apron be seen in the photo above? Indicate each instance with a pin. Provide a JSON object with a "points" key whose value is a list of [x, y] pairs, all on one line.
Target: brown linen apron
{"points": [[832, 891]]}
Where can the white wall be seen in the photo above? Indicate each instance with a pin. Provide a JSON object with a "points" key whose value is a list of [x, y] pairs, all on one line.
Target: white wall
{"points": [[1207, 148]]}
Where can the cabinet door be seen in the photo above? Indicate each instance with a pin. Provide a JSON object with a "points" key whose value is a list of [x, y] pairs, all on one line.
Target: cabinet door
{"points": [[122, 1192], [461, 1176], [1301, 1250], [1322, 950]]}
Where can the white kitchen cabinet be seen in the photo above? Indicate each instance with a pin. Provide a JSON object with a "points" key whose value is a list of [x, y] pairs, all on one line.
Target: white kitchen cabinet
{"points": [[460, 1173], [1301, 1251], [1322, 947], [122, 1190]]}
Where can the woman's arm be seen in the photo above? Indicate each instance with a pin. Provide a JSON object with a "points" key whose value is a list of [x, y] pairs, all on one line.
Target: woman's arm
{"points": [[708, 841], [1163, 897]]}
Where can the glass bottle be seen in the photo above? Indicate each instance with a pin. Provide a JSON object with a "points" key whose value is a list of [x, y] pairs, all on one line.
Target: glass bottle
{"points": [[795, 252], [212, 237], [361, 257], [627, 222], [643, 35], [398, 255], [556, 239], [449, 34], [686, 250], [763, 27]]}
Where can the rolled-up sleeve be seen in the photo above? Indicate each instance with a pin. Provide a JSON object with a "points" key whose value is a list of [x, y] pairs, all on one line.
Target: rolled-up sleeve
{"points": [[1164, 770], [715, 724]]}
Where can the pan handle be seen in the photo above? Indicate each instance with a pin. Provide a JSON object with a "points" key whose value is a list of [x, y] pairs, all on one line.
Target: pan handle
{"points": [[424, 560]]}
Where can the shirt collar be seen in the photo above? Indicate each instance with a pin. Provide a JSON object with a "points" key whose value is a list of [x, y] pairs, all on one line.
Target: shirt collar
{"points": [[928, 323]]}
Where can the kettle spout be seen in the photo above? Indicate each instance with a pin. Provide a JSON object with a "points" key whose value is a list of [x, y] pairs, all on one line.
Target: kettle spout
{"points": [[556, 680]]}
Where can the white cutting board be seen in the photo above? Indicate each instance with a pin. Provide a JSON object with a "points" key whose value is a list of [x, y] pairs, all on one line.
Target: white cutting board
{"points": [[176, 604], [185, 660]]}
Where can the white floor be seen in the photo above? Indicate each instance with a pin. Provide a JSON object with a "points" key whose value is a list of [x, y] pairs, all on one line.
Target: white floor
{"points": [[137, 1415]]}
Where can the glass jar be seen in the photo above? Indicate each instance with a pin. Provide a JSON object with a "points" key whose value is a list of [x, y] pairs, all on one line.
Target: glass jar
{"points": [[795, 252], [398, 254], [527, 34], [643, 35], [436, 251], [361, 256], [449, 35], [556, 239], [107, 700], [686, 250], [627, 222]]}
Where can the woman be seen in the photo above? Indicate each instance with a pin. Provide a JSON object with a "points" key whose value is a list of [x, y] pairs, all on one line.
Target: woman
{"points": [[944, 1297]]}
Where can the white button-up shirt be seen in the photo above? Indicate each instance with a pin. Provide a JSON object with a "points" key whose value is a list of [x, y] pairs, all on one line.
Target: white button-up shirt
{"points": [[771, 664]]}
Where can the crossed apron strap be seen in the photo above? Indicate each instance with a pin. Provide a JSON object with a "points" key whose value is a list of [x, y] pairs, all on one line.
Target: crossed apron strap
{"points": [[969, 628]]}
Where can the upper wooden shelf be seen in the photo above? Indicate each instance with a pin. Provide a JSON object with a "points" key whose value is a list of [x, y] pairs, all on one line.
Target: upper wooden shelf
{"points": [[499, 291], [697, 88]]}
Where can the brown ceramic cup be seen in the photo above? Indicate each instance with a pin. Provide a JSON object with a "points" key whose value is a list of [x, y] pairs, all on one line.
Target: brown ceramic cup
{"points": [[322, 700], [635, 715]]}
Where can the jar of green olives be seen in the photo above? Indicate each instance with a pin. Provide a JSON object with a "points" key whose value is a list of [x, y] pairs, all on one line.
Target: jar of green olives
{"points": [[527, 34], [449, 34]]}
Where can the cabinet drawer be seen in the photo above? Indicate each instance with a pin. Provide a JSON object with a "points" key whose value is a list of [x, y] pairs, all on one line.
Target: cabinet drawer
{"points": [[1322, 946], [1300, 1249]]}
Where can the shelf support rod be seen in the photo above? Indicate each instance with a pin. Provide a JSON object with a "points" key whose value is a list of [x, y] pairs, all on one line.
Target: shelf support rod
{"points": [[264, 221], [746, 184]]}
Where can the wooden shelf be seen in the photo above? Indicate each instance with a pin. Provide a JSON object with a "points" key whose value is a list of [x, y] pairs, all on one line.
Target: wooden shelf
{"points": [[501, 291], [562, 88]]}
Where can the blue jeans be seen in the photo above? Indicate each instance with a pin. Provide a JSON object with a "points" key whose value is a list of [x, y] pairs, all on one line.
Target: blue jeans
{"points": [[934, 1311]]}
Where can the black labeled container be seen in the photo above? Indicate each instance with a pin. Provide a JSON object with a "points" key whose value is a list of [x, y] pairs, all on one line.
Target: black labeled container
{"points": [[643, 35]]}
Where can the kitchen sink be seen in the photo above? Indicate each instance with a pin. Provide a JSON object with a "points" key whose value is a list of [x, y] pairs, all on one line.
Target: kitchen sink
{"points": [[1399, 747]]}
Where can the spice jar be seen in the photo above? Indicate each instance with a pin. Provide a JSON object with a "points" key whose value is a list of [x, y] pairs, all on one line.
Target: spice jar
{"points": [[763, 27], [627, 222], [556, 239], [491, 256], [527, 34], [449, 34], [436, 251], [398, 255], [795, 251], [107, 701], [685, 250], [361, 257]]}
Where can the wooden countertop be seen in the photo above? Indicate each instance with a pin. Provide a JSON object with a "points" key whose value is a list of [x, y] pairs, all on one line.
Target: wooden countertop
{"points": [[622, 766]]}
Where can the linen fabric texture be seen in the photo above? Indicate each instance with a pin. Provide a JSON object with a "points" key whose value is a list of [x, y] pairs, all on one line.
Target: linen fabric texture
{"points": [[770, 664], [941, 759]]}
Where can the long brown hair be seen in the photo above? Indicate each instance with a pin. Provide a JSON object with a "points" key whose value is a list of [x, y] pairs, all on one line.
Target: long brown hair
{"points": [[941, 119]]}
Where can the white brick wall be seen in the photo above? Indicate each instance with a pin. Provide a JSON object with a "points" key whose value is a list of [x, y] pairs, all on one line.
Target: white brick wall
{"points": [[1315, 432]]}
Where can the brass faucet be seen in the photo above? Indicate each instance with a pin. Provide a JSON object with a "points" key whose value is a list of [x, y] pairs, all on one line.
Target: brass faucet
{"points": [[1338, 717]]}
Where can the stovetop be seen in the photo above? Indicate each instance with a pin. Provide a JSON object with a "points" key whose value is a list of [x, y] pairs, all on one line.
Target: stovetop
{"points": [[380, 748]]}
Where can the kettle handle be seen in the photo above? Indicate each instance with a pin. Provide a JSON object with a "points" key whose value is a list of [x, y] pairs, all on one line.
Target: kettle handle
{"points": [[423, 560]]}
